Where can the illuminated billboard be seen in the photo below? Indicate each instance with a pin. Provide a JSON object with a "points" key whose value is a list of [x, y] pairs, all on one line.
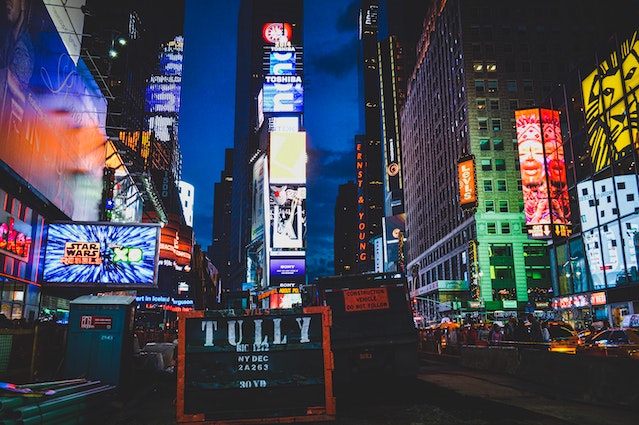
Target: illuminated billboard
{"points": [[283, 97], [163, 94], [259, 196], [610, 104], [288, 216], [281, 63], [89, 254], [286, 267], [284, 124], [287, 158], [52, 117], [277, 32], [543, 173], [467, 182]]}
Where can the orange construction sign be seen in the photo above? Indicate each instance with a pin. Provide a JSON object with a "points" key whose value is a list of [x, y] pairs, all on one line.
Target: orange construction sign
{"points": [[365, 299]]}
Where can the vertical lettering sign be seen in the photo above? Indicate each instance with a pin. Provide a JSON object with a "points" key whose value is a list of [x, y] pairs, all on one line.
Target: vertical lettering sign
{"points": [[467, 182], [362, 239], [254, 364]]}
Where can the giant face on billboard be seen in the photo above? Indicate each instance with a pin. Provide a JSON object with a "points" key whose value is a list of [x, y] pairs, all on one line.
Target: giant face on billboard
{"points": [[101, 254], [288, 216], [543, 172], [51, 114], [610, 103]]}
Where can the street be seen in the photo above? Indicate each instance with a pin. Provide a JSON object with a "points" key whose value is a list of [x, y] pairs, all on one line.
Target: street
{"points": [[445, 393]]}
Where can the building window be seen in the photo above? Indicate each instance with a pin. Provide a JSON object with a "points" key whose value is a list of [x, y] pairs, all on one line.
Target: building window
{"points": [[491, 228], [498, 144], [484, 144], [496, 124], [513, 104], [512, 86], [526, 67], [482, 123], [492, 86], [478, 67], [501, 185], [500, 164], [503, 206], [479, 86], [505, 228], [621, 185], [491, 67], [494, 104], [481, 104], [490, 206], [630, 197], [528, 86], [488, 185], [486, 165]]}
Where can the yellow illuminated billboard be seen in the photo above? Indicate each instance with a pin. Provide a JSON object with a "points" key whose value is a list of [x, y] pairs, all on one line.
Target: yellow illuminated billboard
{"points": [[610, 105], [287, 158]]}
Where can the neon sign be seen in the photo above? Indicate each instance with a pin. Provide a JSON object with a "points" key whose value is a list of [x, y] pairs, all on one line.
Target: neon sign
{"points": [[361, 208], [14, 241]]}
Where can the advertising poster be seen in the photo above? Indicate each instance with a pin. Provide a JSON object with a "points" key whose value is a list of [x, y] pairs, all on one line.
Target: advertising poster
{"points": [[256, 366], [283, 97], [86, 254], [52, 114], [467, 182], [543, 172], [288, 216], [287, 157]]}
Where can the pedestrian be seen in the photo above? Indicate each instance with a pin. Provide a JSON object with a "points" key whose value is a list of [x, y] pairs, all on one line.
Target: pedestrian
{"points": [[482, 335], [496, 335], [545, 333], [535, 328], [521, 332], [509, 329]]}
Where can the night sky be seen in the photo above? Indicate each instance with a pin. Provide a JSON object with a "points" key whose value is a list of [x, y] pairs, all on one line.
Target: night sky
{"points": [[331, 114]]}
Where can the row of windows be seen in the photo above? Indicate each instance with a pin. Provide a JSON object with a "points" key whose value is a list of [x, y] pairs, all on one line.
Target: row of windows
{"points": [[501, 185], [504, 228], [491, 86], [487, 165], [497, 144], [509, 66]]}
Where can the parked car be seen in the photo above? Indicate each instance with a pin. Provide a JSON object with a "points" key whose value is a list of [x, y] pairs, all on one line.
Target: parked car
{"points": [[563, 337], [617, 342]]}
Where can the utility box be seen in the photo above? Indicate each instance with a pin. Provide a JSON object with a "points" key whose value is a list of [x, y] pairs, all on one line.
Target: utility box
{"points": [[100, 338]]}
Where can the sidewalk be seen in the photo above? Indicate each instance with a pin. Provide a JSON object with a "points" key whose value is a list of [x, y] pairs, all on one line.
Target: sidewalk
{"points": [[497, 388]]}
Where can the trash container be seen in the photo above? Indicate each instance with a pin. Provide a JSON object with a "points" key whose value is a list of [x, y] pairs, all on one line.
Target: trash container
{"points": [[100, 338]]}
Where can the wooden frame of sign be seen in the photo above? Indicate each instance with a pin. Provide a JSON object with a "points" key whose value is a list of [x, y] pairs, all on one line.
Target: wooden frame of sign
{"points": [[254, 366]]}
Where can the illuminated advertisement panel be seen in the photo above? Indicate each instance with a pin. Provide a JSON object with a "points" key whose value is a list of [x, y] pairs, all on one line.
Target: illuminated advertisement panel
{"points": [[287, 158], [467, 182], [284, 124], [288, 216], [15, 237], [543, 173], [609, 113], [281, 63], [284, 300], [163, 94], [52, 117], [283, 97], [101, 254], [287, 267], [259, 193], [277, 32]]}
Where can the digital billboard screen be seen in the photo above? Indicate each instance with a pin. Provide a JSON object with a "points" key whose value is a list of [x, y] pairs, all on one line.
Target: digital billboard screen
{"points": [[543, 172], [282, 62], [287, 157], [467, 182], [88, 254], [283, 97], [288, 216]]}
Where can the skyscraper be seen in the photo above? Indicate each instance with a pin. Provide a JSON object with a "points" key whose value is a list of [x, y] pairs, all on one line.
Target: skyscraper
{"points": [[268, 202], [368, 146]]}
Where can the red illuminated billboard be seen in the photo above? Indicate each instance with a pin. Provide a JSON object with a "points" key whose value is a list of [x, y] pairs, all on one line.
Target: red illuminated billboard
{"points": [[277, 32], [543, 172]]}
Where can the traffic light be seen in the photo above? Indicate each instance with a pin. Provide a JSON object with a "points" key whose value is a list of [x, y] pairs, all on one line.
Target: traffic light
{"points": [[107, 193]]}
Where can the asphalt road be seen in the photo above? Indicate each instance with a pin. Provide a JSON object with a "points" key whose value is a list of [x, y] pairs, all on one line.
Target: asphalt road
{"points": [[444, 394]]}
